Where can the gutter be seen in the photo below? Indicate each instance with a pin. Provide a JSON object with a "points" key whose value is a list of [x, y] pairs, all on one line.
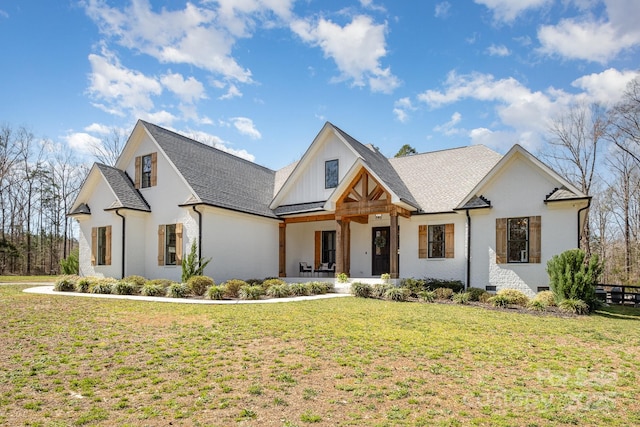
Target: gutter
{"points": [[199, 232], [580, 211], [124, 223]]}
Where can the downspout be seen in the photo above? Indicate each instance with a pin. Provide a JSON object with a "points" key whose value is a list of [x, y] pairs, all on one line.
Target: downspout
{"points": [[199, 232], [580, 211], [124, 223], [466, 285]]}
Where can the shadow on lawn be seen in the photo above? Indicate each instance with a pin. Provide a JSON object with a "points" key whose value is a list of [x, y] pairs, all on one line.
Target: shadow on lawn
{"points": [[619, 312]]}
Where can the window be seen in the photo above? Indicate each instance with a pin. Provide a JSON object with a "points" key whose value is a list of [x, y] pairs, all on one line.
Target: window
{"points": [[436, 241], [146, 171], [518, 240], [329, 246], [101, 245], [331, 173], [170, 244], [146, 174]]}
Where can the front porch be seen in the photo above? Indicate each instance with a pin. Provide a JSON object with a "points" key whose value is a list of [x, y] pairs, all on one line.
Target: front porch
{"points": [[361, 232]]}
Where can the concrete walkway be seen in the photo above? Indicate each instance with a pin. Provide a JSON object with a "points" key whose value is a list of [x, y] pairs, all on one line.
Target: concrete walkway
{"points": [[48, 290]]}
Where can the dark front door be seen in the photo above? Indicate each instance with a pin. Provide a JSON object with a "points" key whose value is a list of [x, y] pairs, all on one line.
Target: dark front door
{"points": [[380, 250]]}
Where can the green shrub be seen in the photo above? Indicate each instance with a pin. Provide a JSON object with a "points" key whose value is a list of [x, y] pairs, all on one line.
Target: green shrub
{"points": [[255, 281], [427, 296], [317, 288], [546, 297], [574, 305], [215, 292], [66, 283], [342, 278], [83, 284], [177, 290], [270, 282], [415, 286], [71, 264], [192, 265], [232, 287], [485, 297], [380, 289], [454, 285], [474, 293], [153, 288], [251, 292], [385, 277], [328, 287], [299, 289], [102, 286], [462, 297], [397, 294], [572, 276], [500, 301], [198, 285], [137, 281], [514, 296], [362, 290], [123, 288], [537, 305], [278, 291], [443, 293]]}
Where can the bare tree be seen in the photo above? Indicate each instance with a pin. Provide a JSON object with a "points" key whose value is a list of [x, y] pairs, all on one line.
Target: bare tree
{"points": [[108, 150], [625, 121], [574, 142]]}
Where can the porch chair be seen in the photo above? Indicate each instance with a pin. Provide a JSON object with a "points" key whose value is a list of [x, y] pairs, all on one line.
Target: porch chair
{"points": [[305, 268]]}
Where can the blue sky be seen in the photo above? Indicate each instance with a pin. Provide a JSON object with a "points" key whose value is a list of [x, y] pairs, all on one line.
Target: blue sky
{"points": [[260, 77]]}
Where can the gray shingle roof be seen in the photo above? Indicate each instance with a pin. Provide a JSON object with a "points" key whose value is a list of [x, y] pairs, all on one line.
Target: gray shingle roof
{"points": [[562, 194], [218, 178], [440, 180], [299, 208], [127, 196], [382, 167], [82, 209]]}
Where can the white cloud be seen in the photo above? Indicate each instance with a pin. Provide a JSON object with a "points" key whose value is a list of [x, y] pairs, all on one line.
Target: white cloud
{"points": [[498, 50], [98, 128], [356, 48], [509, 10], [188, 90], [523, 114], [115, 84], [3, 14], [219, 143], [587, 37], [401, 109], [245, 126], [232, 92], [82, 142], [449, 128], [189, 36], [442, 9], [606, 87]]}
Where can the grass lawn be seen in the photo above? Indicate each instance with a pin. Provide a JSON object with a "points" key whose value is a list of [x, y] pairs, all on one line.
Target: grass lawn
{"points": [[348, 361], [28, 279]]}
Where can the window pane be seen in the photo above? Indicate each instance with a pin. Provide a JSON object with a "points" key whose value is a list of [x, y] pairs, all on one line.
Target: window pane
{"points": [[102, 246], [331, 174], [170, 253], [436, 241], [518, 240], [146, 171], [328, 246]]}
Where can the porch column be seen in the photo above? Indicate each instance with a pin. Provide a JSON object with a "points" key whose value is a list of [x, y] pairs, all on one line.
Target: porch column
{"points": [[339, 248], [346, 238], [282, 253], [393, 245]]}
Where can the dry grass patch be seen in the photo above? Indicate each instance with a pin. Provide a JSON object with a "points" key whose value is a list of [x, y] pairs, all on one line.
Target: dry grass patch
{"points": [[347, 361]]}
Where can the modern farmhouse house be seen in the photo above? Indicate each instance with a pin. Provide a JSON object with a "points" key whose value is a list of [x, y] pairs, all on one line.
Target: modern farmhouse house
{"points": [[467, 213]]}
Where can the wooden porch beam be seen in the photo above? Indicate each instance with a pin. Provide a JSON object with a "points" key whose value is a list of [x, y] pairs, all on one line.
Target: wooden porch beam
{"points": [[310, 218], [393, 246]]}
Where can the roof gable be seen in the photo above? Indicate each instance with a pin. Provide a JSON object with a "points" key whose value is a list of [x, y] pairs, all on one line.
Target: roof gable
{"points": [[569, 191], [216, 177]]}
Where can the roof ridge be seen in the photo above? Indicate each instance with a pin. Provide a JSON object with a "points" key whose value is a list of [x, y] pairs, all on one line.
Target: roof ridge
{"points": [[462, 147]]}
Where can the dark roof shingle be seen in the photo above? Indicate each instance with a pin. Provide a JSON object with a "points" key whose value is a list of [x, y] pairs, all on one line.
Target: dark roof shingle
{"points": [[126, 194]]}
